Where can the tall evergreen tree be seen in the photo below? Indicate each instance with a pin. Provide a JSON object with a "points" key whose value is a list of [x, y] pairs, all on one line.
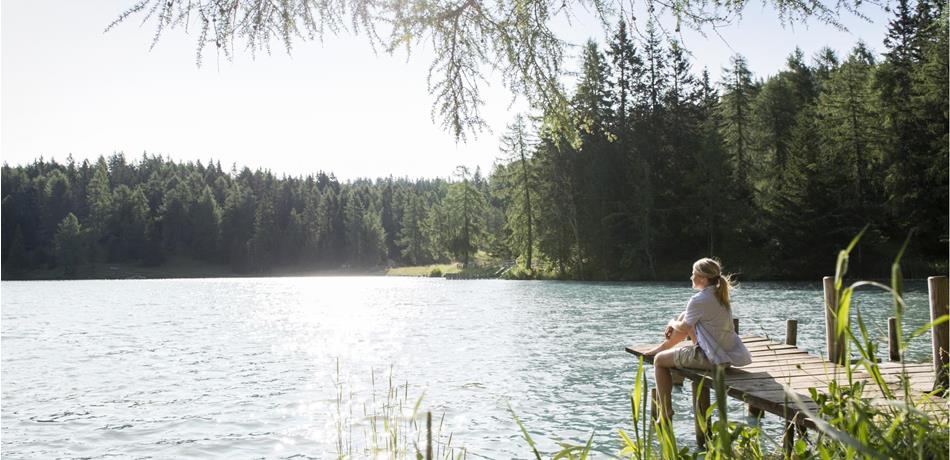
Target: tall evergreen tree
{"points": [[99, 197], [412, 237], [206, 219], [69, 244], [465, 209], [517, 145], [736, 115]]}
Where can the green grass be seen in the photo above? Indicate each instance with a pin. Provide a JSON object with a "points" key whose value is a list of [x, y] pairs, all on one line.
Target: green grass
{"points": [[422, 270]]}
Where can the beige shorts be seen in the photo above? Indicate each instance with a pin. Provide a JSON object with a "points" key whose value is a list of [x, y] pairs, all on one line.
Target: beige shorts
{"points": [[692, 356]]}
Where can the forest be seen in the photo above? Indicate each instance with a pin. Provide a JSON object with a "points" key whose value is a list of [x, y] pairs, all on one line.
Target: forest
{"points": [[661, 166]]}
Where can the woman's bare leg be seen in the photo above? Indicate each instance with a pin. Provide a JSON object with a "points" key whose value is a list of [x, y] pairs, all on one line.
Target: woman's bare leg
{"points": [[675, 338], [662, 364]]}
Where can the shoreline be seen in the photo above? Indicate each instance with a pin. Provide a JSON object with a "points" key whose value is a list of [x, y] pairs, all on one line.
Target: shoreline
{"points": [[177, 270], [152, 273]]}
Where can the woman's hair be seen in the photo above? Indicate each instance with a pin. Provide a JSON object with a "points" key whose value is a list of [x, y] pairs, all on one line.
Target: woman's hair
{"points": [[711, 269]]}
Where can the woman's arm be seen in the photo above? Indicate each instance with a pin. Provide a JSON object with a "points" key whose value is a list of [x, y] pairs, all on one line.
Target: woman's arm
{"points": [[673, 337], [680, 325]]}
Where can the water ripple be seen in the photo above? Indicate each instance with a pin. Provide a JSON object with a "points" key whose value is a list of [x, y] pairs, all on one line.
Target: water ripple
{"points": [[228, 368]]}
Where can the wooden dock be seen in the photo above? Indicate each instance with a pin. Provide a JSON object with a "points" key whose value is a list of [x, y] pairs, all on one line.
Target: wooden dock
{"points": [[779, 371]]}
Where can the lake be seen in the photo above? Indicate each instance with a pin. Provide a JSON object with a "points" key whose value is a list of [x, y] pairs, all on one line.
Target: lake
{"points": [[270, 367]]}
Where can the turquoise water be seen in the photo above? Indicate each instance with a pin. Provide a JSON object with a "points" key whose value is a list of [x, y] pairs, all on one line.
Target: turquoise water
{"points": [[249, 367]]}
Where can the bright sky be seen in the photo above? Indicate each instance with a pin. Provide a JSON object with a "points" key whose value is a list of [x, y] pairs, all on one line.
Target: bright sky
{"points": [[66, 87]]}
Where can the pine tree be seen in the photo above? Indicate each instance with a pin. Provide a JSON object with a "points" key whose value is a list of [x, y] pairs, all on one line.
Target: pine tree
{"points": [[592, 99], [654, 74], [315, 225], [627, 72], [56, 198], [99, 197], [174, 216], [237, 226], [412, 237], [206, 219], [735, 130], [465, 209], [128, 224], [850, 125], [69, 244], [558, 235], [916, 149], [263, 244], [516, 144], [736, 116], [713, 166]]}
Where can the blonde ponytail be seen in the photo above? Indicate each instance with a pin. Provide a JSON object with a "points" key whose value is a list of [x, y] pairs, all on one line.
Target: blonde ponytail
{"points": [[712, 270], [722, 290]]}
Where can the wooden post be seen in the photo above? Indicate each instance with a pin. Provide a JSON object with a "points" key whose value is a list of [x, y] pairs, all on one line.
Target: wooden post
{"points": [[791, 332], [791, 338], [893, 349], [788, 439], [654, 405], [428, 435], [938, 307], [754, 411], [834, 343], [700, 406]]}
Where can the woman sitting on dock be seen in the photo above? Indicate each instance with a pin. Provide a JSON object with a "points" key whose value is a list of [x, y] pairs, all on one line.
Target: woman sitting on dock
{"points": [[707, 321]]}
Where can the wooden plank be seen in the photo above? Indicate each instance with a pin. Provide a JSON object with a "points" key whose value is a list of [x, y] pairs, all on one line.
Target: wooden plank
{"points": [[911, 368], [752, 337], [787, 359], [770, 346], [786, 365], [800, 374], [766, 353], [777, 406]]}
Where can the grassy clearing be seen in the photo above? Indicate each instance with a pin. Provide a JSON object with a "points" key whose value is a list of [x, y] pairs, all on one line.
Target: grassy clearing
{"points": [[423, 270]]}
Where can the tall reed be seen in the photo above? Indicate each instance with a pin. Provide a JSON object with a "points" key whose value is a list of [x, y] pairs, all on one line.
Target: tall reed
{"points": [[388, 428]]}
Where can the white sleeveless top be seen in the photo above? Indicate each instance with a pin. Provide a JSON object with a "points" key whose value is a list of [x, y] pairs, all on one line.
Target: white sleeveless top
{"points": [[713, 326]]}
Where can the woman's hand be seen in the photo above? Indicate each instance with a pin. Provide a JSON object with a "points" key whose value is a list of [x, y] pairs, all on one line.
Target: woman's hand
{"points": [[669, 332]]}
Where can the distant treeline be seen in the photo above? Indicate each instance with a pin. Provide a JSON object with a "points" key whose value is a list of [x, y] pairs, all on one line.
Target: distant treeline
{"points": [[663, 167]]}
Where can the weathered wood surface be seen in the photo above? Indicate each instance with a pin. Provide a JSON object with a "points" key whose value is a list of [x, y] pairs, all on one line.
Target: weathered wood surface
{"points": [[779, 371]]}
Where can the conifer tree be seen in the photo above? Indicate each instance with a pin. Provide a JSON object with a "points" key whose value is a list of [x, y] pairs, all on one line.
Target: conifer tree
{"points": [[516, 144], [736, 116], [69, 244], [206, 219], [129, 223], [465, 209], [412, 237], [99, 197], [627, 72], [849, 134]]}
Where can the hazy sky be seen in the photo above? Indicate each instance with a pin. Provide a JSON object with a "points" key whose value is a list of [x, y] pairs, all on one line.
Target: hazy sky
{"points": [[66, 87]]}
